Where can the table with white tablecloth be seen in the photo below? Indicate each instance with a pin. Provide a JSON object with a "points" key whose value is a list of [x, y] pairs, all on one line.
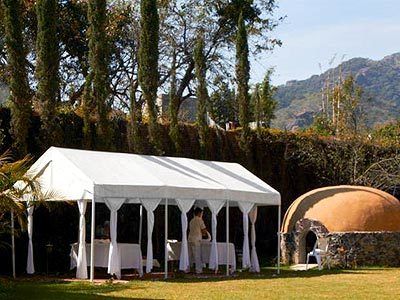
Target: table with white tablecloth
{"points": [[131, 255], [174, 251]]}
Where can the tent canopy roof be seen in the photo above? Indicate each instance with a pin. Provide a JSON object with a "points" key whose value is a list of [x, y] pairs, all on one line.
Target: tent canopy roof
{"points": [[81, 174]]}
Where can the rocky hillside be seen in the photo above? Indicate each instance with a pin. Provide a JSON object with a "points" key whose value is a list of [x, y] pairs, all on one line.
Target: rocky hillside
{"points": [[300, 100]]}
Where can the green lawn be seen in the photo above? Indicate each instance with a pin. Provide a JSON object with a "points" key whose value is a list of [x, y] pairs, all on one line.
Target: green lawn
{"points": [[359, 284]]}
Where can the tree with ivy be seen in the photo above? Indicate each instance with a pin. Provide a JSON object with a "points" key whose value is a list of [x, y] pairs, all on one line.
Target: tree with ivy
{"points": [[173, 110], [256, 107], [242, 80], [97, 83], [223, 106], [135, 141], [201, 92], [268, 103], [20, 96], [48, 57], [88, 109], [264, 104], [148, 66]]}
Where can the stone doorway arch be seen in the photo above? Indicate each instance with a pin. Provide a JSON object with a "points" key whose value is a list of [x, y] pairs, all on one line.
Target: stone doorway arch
{"points": [[307, 233]]}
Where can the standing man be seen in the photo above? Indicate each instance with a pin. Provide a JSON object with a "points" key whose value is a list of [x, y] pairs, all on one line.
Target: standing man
{"points": [[197, 229]]}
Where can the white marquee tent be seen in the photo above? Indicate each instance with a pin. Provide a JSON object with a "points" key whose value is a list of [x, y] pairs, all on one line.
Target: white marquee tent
{"points": [[118, 178]]}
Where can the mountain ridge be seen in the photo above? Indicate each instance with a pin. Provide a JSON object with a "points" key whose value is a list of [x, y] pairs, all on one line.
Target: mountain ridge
{"points": [[300, 100]]}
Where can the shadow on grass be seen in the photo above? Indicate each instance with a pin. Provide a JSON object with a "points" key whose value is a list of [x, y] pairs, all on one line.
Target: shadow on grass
{"points": [[33, 288], [59, 290], [268, 274]]}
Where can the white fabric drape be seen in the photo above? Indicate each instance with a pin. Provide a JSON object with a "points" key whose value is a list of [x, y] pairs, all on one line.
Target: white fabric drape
{"points": [[81, 266], [150, 205], [30, 268], [114, 258], [245, 208], [215, 206], [255, 266], [184, 205]]}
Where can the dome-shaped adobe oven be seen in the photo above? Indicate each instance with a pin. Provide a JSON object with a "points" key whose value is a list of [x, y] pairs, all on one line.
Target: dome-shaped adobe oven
{"points": [[346, 208]]}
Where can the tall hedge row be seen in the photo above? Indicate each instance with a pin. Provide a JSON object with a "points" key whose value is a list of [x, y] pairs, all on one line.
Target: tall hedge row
{"points": [[291, 163]]}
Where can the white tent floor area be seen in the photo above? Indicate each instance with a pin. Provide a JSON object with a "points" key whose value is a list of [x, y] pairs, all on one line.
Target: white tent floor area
{"points": [[114, 179]]}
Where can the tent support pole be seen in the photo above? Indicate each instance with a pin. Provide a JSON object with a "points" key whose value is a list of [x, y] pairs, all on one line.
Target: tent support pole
{"points": [[140, 224], [13, 244], [278, 266], [92, 233], [227, 238], [166, 241]]}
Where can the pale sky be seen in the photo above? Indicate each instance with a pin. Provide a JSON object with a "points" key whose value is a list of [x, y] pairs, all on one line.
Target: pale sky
{"points": [[315, 30]]}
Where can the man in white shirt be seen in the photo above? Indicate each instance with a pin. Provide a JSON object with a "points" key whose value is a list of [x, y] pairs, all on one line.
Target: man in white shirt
{"points": [[197, 229]]}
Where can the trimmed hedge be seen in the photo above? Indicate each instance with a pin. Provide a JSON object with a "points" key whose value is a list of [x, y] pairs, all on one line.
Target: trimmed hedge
{"points": [[293, 163]]}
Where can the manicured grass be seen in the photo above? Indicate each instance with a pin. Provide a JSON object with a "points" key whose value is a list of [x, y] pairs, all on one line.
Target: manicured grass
{"points": [[370, 283]]}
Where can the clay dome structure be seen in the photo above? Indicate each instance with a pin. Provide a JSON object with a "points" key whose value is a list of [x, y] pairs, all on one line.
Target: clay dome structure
{"points": [[361, 223]]}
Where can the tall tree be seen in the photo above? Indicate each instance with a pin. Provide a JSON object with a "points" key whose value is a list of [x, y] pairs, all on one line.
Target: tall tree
{"points": [[348, 98], [179, 24], [148, 65], [223, 106], [201, 92], [88, 108], [48, 61], [218, 19], [98, 68], [135, 139], [257, 108], [20, 96], [242, 80], [268, 103], [173, 109], [263, 102]]}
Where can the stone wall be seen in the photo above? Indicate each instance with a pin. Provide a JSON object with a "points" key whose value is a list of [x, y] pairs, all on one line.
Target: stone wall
{"points": [[293, 243], [349, 249], [288, 248], [352, 249]]}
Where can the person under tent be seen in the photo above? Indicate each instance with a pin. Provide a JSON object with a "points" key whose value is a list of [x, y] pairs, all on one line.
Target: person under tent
{"points": [[197, 229]]}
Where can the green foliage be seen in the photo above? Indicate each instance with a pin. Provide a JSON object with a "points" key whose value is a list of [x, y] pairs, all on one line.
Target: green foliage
{"points": [[223, 107], [98, 62], [16, 182], [148, 65], [201, 92], [173, 109], [242, 79], [336, 162], [135, 137], [293, 163], [47, 65], [388, 135], [322, 126], [344, 113], [350, 110], [256, 106], [20, 96], [263, 102], [257, 14], [88, 107], [268, 103], [383, 175]]}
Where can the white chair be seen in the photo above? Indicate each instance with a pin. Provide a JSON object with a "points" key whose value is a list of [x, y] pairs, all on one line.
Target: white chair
{"points": [[319, 251]]}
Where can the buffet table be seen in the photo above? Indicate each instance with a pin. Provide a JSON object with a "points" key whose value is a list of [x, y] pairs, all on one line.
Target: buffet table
{"points": [[174, 251], [131, 255]]}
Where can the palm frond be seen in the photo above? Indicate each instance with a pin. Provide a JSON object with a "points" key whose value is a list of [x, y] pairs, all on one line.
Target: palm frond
{"points": [[19, 185]]}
